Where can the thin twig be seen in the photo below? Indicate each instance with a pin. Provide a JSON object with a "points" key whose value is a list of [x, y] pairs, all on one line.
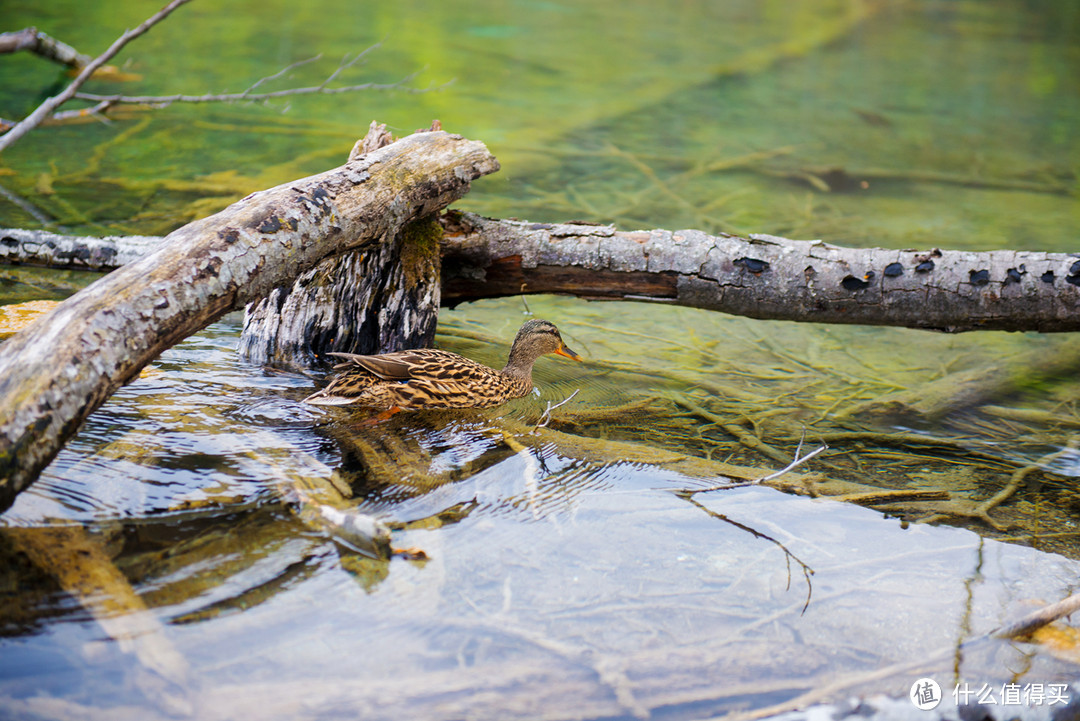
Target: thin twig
{"points": [[97, 111], [46, 109], [346, 64], [791, 466], [545, 418], [279, 73], [246, 96], [799, 460]]}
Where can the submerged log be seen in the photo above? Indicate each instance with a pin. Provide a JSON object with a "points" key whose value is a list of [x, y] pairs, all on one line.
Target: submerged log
{"points": [[81, 565], [58, 371]]}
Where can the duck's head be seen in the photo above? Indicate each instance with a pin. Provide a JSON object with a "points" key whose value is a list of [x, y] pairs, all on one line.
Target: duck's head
{"points": [[536, 338]]}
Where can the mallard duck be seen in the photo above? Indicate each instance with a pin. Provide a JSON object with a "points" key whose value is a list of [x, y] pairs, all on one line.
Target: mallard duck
{"points": [[431, 378]]}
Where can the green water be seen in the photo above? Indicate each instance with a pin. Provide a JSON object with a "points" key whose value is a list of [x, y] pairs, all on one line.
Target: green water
{"points": [[577, 570]]}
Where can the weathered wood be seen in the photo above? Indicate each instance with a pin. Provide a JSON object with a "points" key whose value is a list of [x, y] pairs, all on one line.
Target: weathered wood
{"points": [[764, 276], [375, 300], [372, 301], [51, 250], [39, 43], [55, 373]]}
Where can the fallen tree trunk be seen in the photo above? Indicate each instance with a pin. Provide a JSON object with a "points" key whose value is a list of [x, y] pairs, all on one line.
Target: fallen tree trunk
{"points": [[762, 276], [55, 373]]}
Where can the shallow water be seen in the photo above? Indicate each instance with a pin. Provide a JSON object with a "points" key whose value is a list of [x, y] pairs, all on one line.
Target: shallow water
{"points": [[576, 570]]}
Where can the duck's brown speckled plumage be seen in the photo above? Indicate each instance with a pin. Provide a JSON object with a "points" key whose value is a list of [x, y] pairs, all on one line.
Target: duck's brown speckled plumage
{"points": [[430, 378]]}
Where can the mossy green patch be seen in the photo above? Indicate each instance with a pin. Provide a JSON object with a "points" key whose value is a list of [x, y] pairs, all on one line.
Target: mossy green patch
{"points": [[420, 251]]}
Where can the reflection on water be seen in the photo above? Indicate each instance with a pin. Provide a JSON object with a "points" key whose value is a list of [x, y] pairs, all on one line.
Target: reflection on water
{"points": [[576, 569], [579, 569]]}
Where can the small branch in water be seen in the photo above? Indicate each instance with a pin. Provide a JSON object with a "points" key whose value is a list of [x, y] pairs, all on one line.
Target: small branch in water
{"points": [[39, 43], [26, 206], [791, 466], [1036, 620], [688, 495], [799, 460], [545, 418]]}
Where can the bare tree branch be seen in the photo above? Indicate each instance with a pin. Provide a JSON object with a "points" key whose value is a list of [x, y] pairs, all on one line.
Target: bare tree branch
{"points": [[39, 43], [287, 68], [246, 96], [46, 109]]}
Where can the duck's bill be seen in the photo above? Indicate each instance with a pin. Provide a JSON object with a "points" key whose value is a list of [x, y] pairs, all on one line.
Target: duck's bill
{"points": [[566, 352]]}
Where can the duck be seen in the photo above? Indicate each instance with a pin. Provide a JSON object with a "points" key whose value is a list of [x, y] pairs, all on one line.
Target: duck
{"points": [[429, 378]]}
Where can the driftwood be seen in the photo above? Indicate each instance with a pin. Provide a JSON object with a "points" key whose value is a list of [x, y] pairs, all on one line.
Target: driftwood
{"points": [[37, 42], [376, 301], [762, 276], [42, 248], [55, 373]]}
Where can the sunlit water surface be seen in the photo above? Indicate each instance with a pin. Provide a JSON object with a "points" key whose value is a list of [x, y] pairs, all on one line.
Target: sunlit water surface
{"points": [[576, 570]]}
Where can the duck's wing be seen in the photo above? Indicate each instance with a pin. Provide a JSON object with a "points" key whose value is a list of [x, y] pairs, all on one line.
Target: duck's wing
{"points": [[404, 365]]}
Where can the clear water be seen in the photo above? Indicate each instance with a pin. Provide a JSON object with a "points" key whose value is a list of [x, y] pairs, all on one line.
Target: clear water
{"points": [[574, 571]]}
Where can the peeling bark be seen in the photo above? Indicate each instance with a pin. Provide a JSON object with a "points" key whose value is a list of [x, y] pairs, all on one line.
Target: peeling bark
{"points": [[55, 373], [42, 248], [39, 43], [373, 301], [764, 276]]}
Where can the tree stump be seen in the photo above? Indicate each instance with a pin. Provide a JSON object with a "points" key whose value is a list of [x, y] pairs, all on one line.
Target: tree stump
{"points": [[372, 301]]}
